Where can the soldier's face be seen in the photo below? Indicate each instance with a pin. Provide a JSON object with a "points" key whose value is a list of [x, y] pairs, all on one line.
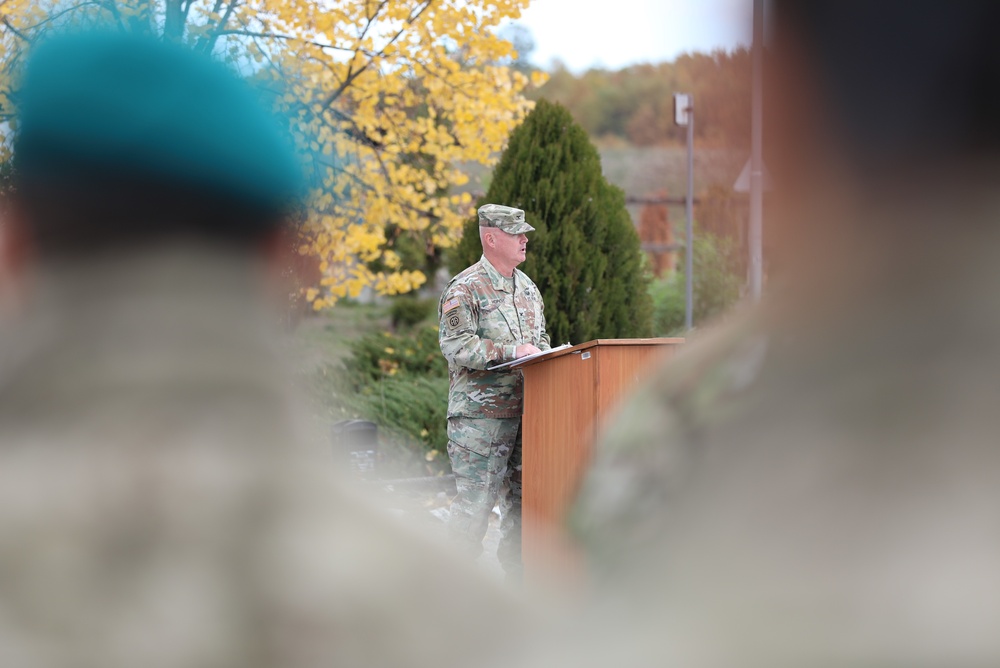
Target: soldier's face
{"points": [[511, 247]]}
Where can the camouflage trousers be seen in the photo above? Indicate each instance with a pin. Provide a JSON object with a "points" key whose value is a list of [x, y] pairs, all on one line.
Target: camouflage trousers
{"points": [[486, 458]]}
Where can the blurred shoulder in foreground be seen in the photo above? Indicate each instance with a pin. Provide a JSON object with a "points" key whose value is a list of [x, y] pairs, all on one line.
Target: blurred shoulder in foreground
{"points": [[820, 484], [159, 502]]}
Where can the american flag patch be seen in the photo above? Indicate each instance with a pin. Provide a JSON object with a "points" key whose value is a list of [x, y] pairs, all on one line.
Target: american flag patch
{"points": [[449, 305]]}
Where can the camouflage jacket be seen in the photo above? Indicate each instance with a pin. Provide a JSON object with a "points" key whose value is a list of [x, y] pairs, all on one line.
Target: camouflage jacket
{"points": [[482, 324], [643, 461], [157, 468]]}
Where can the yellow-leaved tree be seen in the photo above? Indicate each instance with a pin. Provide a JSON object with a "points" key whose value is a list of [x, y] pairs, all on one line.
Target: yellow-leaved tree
{"points": [[387, 98]]}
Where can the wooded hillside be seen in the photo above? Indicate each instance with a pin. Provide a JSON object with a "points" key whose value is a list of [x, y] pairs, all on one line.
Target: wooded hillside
{"points": [[635, 104]]}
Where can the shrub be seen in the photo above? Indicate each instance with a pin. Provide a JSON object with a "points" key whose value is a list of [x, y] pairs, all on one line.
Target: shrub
{"points": [[585, 255], [386, 355], [400, 382], [414, 406], [668, 304], [408, 311], [716, 288]]}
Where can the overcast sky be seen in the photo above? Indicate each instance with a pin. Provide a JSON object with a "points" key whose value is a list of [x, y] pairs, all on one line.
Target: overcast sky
{"points": [[615, 33]]}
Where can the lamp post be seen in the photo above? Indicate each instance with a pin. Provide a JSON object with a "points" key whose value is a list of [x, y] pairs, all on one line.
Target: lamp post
{"points": [[684, 117], [755, 231]]}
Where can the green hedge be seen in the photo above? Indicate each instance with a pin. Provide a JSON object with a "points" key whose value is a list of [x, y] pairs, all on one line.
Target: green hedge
{"points": [[411, 353], [409, 311], [400, 382], [413, 406], [716, 288]]}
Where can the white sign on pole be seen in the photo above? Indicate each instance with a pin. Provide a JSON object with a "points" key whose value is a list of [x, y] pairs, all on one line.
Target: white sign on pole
{"points": [[682, 106]]}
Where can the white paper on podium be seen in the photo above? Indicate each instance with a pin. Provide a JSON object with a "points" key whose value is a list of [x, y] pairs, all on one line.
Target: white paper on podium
{"points": [[519, 360]]}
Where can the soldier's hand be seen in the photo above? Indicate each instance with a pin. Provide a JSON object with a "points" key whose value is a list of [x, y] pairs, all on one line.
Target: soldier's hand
{"points": [[525, 349]]}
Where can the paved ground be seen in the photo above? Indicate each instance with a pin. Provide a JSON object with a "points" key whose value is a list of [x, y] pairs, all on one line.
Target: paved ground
{"points": [[427, 511], [488, 559]]}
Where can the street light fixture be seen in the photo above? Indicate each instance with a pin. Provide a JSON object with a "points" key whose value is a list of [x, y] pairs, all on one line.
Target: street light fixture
{"points": [[684, 117]]}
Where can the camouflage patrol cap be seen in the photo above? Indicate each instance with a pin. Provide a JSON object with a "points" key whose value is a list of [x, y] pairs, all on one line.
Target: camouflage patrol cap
{"points": [[505, 218]]}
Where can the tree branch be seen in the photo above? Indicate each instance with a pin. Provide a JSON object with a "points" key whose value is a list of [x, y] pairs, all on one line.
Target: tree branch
{"points": [[210, 42], [57, 15], [14, 30], [290, 38], [352, 75], [112, 8], [200, 44]]}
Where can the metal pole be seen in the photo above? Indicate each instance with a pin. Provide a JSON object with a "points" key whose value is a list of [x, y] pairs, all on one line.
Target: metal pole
{"points": [[689, 229], [755, 233]]}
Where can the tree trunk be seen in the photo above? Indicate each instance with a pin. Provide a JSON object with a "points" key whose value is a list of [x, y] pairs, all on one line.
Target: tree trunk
{"points": [[173, 24]]}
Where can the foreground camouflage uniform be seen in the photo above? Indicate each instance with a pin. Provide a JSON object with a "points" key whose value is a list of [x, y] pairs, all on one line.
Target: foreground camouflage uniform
{"points": [[160, 502], [643, 461], [819, 484], [795, 490], [483, 317]]}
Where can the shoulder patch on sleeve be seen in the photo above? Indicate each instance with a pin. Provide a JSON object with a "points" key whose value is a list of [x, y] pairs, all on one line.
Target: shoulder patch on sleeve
{"points": [[449, 305], [454, 320]]}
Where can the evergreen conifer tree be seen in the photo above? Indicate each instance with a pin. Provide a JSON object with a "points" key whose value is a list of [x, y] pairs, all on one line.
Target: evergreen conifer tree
{"points": [[585, 255]]}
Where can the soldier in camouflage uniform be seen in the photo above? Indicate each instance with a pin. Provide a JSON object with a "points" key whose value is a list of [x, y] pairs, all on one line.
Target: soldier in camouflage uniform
{"points": [[489, 314]]}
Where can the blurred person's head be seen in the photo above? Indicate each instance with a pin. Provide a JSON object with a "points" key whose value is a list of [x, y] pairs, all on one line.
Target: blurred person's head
{"points": [[816, 483], [882, 126], [902, 89], [124, 142]]}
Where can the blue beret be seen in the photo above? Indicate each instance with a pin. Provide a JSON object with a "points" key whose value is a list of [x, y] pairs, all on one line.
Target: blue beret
{"points": [[111, 104]]}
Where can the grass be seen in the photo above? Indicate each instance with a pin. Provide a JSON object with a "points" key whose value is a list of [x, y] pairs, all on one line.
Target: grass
{"points": [[325, 338]]}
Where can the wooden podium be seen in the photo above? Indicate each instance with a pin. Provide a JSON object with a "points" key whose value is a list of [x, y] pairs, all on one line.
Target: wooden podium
{"points": [[569, 397]]}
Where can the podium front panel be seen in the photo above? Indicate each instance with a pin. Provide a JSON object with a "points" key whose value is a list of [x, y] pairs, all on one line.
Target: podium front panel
{"points": [[567, 401], [560, 401]]}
